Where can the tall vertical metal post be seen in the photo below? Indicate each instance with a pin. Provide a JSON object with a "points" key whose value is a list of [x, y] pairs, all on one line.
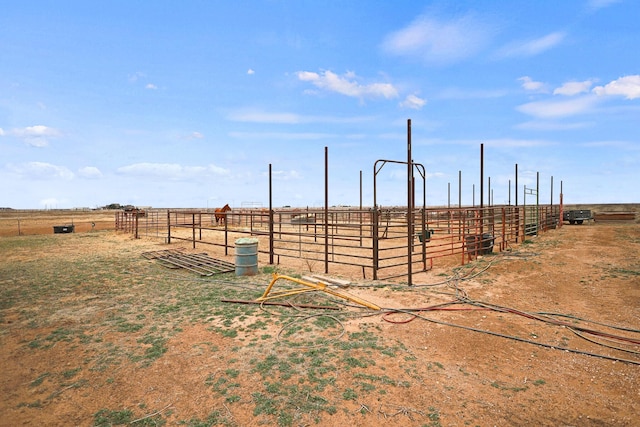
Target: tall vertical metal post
{"points": [[481, 189], [516, 188], [459, 203], [168, 226], [517, 211], [360, 214], [448, 208], [561, 213], [537, 202], [326, 210], [409, 205], [481, 176], [270, 217], [459, 189]]}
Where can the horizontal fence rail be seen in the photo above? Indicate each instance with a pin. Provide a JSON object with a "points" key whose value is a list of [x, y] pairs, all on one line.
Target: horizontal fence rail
{"points": [[374, 242]]}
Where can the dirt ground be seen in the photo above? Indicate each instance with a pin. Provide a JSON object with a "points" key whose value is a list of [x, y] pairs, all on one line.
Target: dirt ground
{"points": [[483, 361], [25, 223]]}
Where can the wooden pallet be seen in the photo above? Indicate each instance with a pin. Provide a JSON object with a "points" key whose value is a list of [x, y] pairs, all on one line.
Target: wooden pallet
{"points": [[201, 263]]}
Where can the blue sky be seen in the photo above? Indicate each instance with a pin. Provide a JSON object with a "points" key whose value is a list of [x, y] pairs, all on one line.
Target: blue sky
{"points": [[186, 103]]}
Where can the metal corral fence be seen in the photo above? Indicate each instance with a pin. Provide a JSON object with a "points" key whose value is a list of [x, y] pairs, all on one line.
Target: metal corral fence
{"points": [[376, 242], [143, 223]]}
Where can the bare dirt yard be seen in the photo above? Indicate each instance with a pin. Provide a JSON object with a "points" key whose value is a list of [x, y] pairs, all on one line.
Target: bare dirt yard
{"points": [[546, 334]]}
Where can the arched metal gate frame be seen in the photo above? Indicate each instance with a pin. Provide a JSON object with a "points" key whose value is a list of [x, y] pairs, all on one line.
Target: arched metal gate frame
{"points": [[377, 167]]}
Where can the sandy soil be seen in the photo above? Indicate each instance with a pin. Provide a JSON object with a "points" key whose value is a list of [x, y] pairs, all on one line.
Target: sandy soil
{"points": [[459, 367]]}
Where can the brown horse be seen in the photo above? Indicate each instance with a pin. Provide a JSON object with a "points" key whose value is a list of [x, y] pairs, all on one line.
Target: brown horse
{"points": [[221, 213]]}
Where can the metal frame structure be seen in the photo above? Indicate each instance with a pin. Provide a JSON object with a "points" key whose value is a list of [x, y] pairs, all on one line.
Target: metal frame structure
{"points": [[351, 234]]}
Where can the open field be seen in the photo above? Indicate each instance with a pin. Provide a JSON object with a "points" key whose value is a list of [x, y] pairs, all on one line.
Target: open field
{"points": [[14, 223], [28, 222], [92, 333]]}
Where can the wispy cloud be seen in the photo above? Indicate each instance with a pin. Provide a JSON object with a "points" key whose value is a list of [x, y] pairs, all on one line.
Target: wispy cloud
{"points": [[89, 172], [600, 4], [460, 93], [281, 117], [286, 175], [498, 142], [553, 108], [36, 136], [171, 171], [136, 76], [543, 125], [623, 145], [532, 47], [348, 85], [281, 136], [531, 85], [151, 86], [265, 117], [413, 102], [574, 88], [515, 143], [41, 170], [628, 86], [439, 41]]}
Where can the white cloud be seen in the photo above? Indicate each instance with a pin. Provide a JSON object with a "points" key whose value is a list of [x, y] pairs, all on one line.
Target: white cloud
{"points": [[622, 145], [289, 136], [348, 85], [458, 93], [89, 172], [264, 117], [543, 125], [259, 116], [532, 47], [37, 136], [437, 41], [517, 143], [554, 108], [628, 86], [171, 171], [414, 102], [1, 132], [41, 170], [282, 175], [217, 170], [573, 88], [196, 135], [250, 72], [151, 86], [135, 76], [499, 142], [530, 85], [599, 4]]}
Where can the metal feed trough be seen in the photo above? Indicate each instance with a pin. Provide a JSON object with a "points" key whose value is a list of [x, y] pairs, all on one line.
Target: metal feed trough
{"points": [[63, 229]]}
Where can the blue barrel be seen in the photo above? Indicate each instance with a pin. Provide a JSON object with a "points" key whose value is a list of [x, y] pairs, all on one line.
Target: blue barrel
{"points": [[246, 256]]}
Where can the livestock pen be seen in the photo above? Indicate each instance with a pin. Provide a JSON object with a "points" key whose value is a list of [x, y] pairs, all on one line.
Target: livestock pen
{"points": [[376, 243]]}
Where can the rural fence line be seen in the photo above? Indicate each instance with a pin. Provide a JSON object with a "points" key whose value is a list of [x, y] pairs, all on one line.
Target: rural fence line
{"points": [[377, 242]]}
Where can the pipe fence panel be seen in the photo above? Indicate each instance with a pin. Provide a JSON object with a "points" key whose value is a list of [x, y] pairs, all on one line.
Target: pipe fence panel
{"points": [[375, 243]]}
